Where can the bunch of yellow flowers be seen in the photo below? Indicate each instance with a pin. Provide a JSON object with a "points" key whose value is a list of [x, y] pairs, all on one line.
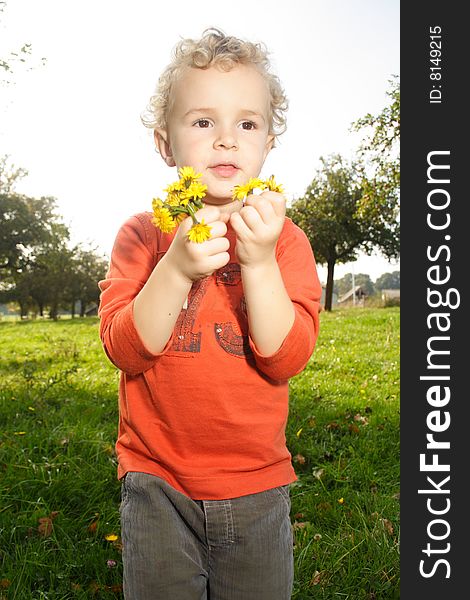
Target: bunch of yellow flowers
{"points": [[184, 198]]}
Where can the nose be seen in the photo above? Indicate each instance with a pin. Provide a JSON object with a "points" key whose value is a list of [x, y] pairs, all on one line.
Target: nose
{"points": [[226, 139]]}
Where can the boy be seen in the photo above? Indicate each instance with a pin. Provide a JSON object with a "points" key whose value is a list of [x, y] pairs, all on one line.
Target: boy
{"points": [[206, 336]]}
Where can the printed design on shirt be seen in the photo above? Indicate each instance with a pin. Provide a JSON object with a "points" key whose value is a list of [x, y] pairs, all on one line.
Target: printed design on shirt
{"points": [[185, 339], [229, 275], [230, 341], [226, 332]]}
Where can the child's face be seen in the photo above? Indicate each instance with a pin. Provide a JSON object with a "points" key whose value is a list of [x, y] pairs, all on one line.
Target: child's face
{"points": [[219, 125]]}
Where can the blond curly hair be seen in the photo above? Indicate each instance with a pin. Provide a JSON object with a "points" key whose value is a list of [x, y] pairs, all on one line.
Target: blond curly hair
{"points": [[215, 48]]}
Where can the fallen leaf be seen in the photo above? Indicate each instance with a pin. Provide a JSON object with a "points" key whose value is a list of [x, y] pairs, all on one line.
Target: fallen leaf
{"points": [[45, 526], [299, 458], [300, 525], [318, 473], [116, 588], [92, 526], [388, 525], [317, 577]]}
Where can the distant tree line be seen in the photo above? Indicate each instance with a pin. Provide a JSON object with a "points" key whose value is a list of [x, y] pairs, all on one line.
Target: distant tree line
{"points": [[39, 269], [387, 281]]}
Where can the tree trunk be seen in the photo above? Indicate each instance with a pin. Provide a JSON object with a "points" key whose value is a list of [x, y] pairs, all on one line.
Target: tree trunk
{"points": [[329, 285], [82, 308], [53, 311], [72, 309], [23, 309]]}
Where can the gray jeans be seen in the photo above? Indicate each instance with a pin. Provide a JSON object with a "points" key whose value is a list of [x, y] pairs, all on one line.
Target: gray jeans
{"points": [[175, 548]]}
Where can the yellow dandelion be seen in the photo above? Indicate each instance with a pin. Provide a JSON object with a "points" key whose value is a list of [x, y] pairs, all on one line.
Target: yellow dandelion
{"points": [[188, 174], [240, 192], [199, 232], [174, 198], [111, 537], [176, 186], [341, 500], [156, 203], [196, 190], [273, 186], [163, 219]]}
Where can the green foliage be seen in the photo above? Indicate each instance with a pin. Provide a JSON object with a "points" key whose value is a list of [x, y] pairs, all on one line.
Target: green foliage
{"points": [[38, 268], [352, 208], [59, 494], [380, 168], [388, 281], [15, 59], [329, 215]]}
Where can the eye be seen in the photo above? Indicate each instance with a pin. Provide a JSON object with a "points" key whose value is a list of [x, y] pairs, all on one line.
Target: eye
{"points": [[248, 125], [203, 123]]}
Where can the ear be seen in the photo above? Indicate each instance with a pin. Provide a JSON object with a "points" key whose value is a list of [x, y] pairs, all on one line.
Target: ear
{"points": [[269, 145], [162, 144]]}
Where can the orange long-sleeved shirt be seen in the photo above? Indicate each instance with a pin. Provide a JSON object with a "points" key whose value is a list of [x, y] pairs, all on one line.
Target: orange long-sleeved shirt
{"points": [[208, 413]]}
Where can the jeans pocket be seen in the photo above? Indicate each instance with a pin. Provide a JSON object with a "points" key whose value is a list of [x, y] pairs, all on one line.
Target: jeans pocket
{"points": [[283, 491], [125, 490]]}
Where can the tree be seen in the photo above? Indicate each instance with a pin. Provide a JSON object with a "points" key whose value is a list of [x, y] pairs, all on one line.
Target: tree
{"points": [[329, 215], [88, 268], [380, 171], [15, 58], [388, 281], [25, 225]]}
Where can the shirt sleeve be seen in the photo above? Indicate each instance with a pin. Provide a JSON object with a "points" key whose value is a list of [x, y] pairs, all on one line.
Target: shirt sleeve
{"points": [[132, 260], [299, 273]]}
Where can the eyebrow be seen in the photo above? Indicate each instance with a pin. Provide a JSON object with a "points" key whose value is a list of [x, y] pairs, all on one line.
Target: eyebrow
{"points": [[244, 111]]}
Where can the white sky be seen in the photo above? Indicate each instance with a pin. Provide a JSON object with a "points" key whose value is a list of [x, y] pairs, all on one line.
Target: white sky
{"points": [[74, 123]]}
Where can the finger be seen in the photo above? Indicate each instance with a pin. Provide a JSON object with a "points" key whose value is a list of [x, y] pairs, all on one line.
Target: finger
{"points": [[264, 208], [209, 214], [216, 246], [218, 229], [217, 261], [277, 201], [251, 217], [239, 226]]}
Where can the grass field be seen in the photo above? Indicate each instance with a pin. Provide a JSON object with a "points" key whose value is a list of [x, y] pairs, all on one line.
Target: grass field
{"points": [[59, 520]]}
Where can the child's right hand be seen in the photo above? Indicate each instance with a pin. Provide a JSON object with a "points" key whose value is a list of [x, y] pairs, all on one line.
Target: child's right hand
{"points": [[193, 260]]}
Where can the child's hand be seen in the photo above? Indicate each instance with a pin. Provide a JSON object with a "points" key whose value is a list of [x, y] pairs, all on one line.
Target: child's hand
{"points": [[258, 226], [194, 261]]}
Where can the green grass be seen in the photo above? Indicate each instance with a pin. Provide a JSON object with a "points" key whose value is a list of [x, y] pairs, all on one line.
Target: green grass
{"points": [[60, 496]]}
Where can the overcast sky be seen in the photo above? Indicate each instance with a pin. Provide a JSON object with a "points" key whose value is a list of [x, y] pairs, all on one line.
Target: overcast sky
{"points": [[74, 123]]}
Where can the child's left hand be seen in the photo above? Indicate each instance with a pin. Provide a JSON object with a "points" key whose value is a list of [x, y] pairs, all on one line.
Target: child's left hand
{"points": [[258, 226]]}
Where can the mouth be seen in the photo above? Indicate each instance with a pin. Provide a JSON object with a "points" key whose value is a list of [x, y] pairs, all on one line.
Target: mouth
{"points": [[224, 169]]}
